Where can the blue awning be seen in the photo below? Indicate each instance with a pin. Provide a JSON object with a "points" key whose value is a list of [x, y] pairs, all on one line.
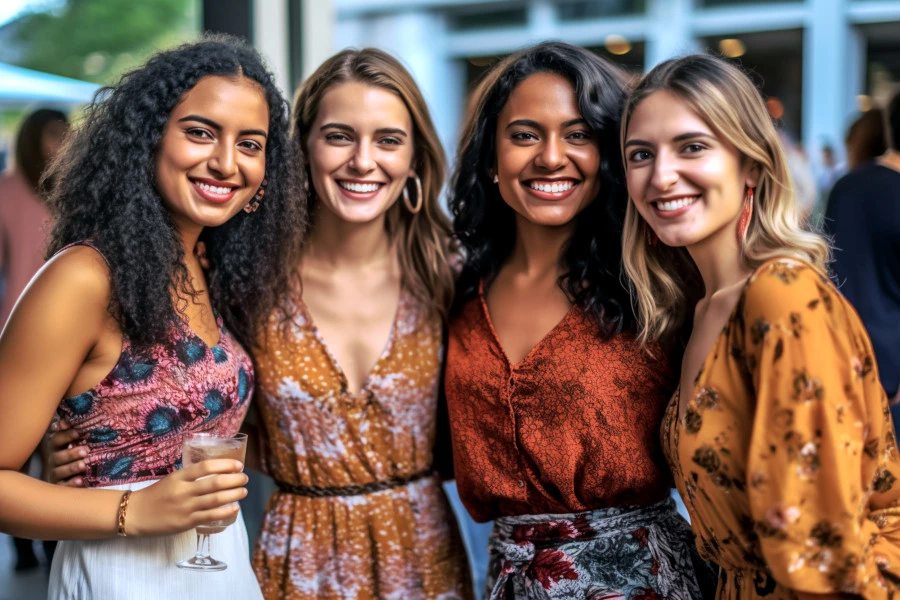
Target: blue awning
{"points": [[19, 87]]}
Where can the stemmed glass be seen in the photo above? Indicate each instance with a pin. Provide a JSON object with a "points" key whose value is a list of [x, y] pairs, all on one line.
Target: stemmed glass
{"points": [[206, 446]]}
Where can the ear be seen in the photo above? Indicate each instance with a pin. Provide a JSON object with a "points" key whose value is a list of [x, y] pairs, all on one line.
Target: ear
{"points": [[754, 174], [412, 173]]}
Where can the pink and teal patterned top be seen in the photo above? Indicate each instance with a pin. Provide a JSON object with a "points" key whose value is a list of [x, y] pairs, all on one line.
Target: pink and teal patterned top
{"points": [[135, 420]]}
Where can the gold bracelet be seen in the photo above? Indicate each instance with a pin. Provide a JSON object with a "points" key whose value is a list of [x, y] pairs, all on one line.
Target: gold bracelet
{"points": [[120, 517]]}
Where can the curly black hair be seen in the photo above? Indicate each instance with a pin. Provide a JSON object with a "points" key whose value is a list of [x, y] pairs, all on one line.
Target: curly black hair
{"points": [[485, 225], [105, 193]]}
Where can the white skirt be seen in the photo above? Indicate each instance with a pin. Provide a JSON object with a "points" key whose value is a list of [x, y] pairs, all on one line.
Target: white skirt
{"points": [[138, 568]]}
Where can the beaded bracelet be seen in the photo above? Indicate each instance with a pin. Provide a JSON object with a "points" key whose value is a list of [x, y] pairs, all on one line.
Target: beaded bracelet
{"points": [[120, 517]]}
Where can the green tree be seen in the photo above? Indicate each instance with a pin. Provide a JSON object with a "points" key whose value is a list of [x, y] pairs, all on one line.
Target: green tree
{"points": [[97, 40]]}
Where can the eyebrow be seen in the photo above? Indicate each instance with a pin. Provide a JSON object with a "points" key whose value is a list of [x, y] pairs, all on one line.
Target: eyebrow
{"points": [[536, 125], [382, 130], [678, 138], [217, 127]]}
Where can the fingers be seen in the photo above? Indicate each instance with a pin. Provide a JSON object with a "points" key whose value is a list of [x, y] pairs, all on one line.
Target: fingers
{"points": [[218, 499], [75, 482], [224, 513], [62, 439], [213, 466], [217, 483], [69, 465]]}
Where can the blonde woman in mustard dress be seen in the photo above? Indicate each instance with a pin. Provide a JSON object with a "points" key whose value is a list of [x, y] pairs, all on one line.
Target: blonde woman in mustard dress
{"points": [[779, 439], [348, 388]]}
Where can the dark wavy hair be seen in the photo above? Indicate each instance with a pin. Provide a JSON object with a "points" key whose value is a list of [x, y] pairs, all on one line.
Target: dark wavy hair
{"points": [[30, 159], [105, 193], [485, 225]]}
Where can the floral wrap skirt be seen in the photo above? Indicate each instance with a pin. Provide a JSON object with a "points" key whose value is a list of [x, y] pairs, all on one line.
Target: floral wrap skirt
{"points": [[637, 553]]}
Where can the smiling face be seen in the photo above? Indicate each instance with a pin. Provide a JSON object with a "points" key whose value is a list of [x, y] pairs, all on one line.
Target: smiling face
{"points": [[212, 159], [548, 159], [360, 150], [684, 180]]}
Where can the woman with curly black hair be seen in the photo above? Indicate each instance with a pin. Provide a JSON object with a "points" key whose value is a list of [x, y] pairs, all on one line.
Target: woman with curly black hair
{"points": [[124, 335], [555, 408]]}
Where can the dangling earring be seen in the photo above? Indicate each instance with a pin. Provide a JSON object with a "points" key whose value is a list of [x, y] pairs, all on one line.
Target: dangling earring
{"points": [[420, 199], [652, 238], [746, 214], [253, 205], [496, 179]]}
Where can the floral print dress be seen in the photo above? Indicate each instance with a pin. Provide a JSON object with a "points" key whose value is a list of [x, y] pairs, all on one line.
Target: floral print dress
{"points": [[360, 513], [784, 450]]}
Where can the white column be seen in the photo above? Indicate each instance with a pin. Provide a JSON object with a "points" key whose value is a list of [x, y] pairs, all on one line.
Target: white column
{"points": [[318, 19], [826, 76], [270, 37], [668, 30]]}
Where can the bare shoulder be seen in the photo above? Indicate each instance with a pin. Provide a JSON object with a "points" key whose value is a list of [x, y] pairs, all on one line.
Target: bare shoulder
{"points": [[74, 283]]}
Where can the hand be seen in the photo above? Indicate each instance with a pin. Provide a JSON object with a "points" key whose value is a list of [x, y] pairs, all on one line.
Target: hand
{"points": [[195, 495], [64, 464]]}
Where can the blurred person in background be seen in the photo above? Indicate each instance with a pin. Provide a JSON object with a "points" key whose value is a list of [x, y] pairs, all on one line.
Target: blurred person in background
{"points": [[866, 138], [23, 213], [863, 217], [24, 218]]}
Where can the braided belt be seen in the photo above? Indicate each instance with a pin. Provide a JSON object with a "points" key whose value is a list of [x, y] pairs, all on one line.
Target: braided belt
{"points": [[315, 491]]}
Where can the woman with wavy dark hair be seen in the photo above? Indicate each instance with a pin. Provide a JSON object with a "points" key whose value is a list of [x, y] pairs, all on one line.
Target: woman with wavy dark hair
{"points": [[348, 393], [124, 335], [554, 407]]}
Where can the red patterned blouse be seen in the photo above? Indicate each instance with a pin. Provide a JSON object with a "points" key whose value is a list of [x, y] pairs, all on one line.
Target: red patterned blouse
{"points": [[574, 426]]}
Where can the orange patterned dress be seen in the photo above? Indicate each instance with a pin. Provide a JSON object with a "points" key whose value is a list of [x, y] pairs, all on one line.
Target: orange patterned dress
{"points": [[360, 513], [784, 451]]}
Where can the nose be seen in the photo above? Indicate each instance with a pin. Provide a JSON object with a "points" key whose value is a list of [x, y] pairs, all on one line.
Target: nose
{"points": [[665, 172], [552, 154], [222, 161], [362, 160]]}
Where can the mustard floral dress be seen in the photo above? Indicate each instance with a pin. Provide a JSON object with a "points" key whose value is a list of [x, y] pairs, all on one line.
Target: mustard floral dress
{"points": [[784, 451], [360, 512]]}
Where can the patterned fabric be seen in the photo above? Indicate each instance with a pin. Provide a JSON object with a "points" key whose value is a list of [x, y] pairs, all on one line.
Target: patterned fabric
{"points": [[784, 450], [134, 421], [572, 427], [401, 542], [613, 553]]}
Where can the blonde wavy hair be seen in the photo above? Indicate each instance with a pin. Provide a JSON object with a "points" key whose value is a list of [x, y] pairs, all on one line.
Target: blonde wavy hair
{"points": [[423, 238], [665, 282]]}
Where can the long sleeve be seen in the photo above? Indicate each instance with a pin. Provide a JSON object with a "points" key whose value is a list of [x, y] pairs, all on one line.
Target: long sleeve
{"points": [[819, 433]]}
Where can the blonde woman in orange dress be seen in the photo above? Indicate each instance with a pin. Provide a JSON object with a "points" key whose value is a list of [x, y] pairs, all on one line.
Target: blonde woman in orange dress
{"points": [[348, 389], [780, 438]]}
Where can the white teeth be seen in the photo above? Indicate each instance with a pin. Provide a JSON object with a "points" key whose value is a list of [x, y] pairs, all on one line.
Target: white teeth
{"points": [[675, 204], [359, 187], [213, 189], [552, 188]]}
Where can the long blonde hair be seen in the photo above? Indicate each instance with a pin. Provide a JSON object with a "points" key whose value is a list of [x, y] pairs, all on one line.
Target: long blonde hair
{"points": [[422, 238], [665, 281]]}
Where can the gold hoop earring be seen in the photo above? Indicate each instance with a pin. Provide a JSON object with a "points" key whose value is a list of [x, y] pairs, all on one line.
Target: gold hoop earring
{"points": [[420, 198]]}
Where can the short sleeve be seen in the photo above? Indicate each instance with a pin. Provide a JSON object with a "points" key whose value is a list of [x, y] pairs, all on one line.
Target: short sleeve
{"points": [[805, 468]]}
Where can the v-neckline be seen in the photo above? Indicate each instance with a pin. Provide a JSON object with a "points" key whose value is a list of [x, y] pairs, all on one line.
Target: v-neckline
{"points": [[190, 330], [487, 316], [320, 339]]}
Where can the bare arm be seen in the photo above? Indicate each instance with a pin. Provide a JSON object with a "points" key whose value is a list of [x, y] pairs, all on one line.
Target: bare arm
{"points": [[43, 348]]}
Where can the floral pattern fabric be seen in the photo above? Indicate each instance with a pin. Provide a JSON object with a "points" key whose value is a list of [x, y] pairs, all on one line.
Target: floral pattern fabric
{"points": [[615, 553], [134, 421], [400, 542], [784, 450]]}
